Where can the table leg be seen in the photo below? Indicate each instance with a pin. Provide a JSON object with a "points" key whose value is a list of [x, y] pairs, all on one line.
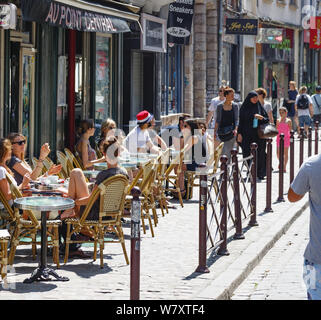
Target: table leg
{"points": [[43, 272]]}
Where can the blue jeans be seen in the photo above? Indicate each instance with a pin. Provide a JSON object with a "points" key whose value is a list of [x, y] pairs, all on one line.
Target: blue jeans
{"points": [[312, 278], [305, 120]]}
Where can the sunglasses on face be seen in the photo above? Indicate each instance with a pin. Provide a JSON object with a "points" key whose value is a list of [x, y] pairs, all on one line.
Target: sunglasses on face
{"points": [[20, 143]]}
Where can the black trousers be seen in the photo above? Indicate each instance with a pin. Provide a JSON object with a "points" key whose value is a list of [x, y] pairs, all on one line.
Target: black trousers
{"points": [[261, 154]]}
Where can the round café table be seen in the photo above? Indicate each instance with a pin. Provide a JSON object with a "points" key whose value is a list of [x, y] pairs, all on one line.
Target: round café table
{"points": [[44, 205]]}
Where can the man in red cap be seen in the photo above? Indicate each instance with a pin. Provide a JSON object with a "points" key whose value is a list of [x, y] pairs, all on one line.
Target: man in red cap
{"points": [[138, 139]]}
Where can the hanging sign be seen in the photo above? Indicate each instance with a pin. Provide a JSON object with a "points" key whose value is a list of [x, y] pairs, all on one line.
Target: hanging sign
{"points": [[59, 14], [315, 39], [179, 22], [270, 35], [315, 33], [241, 26]]}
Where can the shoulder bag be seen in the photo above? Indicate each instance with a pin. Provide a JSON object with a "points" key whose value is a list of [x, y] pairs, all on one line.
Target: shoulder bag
{"points": [[226, 133]]}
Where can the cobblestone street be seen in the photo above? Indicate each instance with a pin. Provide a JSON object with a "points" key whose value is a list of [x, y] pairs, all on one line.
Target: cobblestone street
{"points": [[279, 275]]}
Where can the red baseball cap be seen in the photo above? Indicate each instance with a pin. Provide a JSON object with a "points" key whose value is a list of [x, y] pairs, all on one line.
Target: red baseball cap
{"points": [[144, 117]]}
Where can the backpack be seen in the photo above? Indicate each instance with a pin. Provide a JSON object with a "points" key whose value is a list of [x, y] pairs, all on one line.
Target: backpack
{"points": [[303, 102]]}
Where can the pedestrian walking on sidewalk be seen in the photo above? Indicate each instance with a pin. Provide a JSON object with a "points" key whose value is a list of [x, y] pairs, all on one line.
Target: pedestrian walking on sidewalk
{"points": [[284, 125], [308, 180], [252, 114], [227, 120], [292, 114], [316, 100], [304, 108]]}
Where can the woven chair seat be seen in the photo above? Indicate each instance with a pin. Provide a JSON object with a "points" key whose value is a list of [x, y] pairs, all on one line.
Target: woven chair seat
{"points": [[4, 235]]}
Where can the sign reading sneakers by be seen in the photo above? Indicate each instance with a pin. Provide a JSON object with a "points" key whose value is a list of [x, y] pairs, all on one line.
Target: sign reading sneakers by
{"points": [[8, 16], [179, 22]]}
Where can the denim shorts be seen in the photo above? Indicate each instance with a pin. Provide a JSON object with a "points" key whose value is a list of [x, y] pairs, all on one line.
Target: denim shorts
{"points": [[312, 279], [305, 120]]}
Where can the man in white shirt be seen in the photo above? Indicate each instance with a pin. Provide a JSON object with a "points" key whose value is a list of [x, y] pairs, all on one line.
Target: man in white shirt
{"points": [[316, 100], [138, 140], [211, 116], [304, 108]]}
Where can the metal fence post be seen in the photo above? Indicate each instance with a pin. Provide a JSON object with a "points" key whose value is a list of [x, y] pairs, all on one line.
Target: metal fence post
{"points": [[223, 206], [309, 141], [291, 156], [316, 138], [253, 221], [268, 207], [301, 145], [281, 167], [135, 244], [237, 204], [202, 267]]}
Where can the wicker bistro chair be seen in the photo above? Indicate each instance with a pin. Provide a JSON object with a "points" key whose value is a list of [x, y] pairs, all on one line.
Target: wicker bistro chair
{"points": [[4, 240], [67, 166], [160, 196], [28, 225], [76, 161], [144, 179], [111, 194], [171, 178], [212, 165]]}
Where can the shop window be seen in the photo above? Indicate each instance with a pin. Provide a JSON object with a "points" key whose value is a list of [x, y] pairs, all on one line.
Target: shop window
{"points": [[172, 86], [103, 108]]}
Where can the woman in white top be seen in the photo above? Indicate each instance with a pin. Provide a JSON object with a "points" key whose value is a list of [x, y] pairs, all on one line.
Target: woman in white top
{"points": [[5, 155]]}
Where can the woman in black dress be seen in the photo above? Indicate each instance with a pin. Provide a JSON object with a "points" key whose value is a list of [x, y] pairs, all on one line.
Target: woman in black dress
{"points": [[247, 132]]}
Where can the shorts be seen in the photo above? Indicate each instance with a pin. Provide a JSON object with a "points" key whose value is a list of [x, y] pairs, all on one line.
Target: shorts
{"points": [[312, 277], [305, 120]]}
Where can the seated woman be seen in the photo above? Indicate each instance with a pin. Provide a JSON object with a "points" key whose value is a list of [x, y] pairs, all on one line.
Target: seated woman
{"points": [[195, 152], [5, 155], [19, 166], [78, 189], [86, 152], [107, 128]]}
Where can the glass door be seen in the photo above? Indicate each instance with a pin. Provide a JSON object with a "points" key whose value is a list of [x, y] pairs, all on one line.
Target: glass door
{"points": [[26, 108]]}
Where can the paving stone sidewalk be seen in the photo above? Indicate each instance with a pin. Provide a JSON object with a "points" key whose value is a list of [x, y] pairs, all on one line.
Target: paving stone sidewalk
{"points": [[168, 261]]}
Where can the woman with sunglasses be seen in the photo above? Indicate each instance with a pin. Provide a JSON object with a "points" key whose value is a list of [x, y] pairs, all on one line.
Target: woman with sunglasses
{"points": [[19, 166], [5, 155]]}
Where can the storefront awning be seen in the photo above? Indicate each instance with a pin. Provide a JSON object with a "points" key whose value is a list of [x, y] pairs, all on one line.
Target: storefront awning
{"points": [[77, 15]]}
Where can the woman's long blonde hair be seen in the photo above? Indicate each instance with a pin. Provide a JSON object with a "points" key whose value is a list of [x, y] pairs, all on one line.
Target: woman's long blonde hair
{"points": [[5, 147]]}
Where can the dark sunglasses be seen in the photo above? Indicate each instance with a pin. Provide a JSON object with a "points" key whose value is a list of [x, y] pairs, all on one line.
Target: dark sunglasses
{"points": [[20, 143]]}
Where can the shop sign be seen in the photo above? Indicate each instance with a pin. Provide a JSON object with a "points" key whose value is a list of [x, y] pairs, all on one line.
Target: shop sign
{"points": [[179, 22], [153, 37], [315, 38], [241, 26], [8, 16], [61, 15], [270, 35], [315, 33]]}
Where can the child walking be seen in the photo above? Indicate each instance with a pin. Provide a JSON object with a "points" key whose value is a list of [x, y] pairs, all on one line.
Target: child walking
{"points": [[284, 125]]}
